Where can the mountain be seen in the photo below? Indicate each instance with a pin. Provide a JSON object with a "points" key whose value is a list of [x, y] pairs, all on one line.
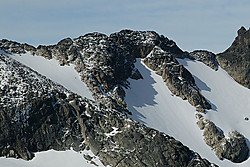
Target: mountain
{"points": [[236, 59], [129, 99]]}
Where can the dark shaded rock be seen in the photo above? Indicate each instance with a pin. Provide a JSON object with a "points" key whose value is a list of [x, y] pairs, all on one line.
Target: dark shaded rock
{"points": [[233, 148], [29, 48], [11, 46], [44, 51], [88, 157], [238, 150], [134, 144], [140, 43], [206, 57], [236, 59], [136, 75]]}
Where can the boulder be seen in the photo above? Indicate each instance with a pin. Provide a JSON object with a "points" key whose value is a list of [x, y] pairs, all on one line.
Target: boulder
{"points": [[233, 147]]}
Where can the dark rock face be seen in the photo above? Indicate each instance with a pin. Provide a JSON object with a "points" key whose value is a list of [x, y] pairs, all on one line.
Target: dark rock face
{"points": [[206, 57], [11, 46], [136, 145], [47, 116], [136, 74], [236, 59], [236, 150], [140, 43]]}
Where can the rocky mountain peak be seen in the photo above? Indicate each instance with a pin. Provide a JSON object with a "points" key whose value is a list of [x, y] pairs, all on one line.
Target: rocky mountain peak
{"points": [[140, 43], [206, 57], [105, 63], [236, 59], [241, 31]]}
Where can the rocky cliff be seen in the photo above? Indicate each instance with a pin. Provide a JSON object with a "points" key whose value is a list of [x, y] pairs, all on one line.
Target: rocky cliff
{"points": [[236, 59]]}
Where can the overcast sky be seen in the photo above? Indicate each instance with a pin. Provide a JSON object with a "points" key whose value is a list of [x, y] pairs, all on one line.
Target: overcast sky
{"points": [[192, 24]]}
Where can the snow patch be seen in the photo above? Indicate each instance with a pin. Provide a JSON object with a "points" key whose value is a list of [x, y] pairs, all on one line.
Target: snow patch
{"points": [[64, 75], [113, 133], [53, 158]]}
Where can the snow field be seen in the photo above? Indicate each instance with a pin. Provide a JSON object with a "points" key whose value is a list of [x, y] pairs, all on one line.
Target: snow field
{"points": [[53, 158], [64, 75], [153, 104]]}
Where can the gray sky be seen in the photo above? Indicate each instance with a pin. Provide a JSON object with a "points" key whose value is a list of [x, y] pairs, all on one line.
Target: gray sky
{"points": [[192, 24]]}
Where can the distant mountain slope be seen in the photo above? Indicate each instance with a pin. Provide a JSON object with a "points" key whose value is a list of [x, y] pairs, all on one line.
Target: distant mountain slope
{"points": [[236, 59]]}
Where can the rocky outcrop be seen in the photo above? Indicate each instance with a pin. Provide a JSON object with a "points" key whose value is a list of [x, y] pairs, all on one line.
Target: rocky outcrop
{"points": [[236, 59], [233, 148], [206, 57], [15, 47], [41, 115], [140, 43], [11, 46], [178, 79]]}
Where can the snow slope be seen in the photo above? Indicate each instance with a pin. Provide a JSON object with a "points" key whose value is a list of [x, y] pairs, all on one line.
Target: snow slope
{"points": [[64, 75], [152, 103], [230, 100], [52, 158]]}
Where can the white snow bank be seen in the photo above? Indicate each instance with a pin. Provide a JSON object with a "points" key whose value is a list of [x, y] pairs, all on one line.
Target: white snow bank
{"points": [[230, 101], [152, 103], [64, 75], [52, 158]]}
